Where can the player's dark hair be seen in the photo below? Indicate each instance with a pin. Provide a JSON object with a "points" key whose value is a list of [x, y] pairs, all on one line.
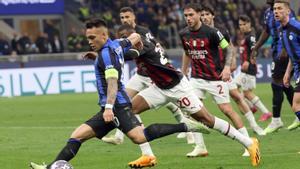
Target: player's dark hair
{"points": [[244, 18], [208, 8], [126, 27], [126, 9], [95, 22], [194, 6]]}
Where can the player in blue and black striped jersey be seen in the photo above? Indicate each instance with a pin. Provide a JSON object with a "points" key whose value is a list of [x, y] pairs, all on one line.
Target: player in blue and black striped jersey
{"points": [[290, 38], [279, 64], [115, 105]]}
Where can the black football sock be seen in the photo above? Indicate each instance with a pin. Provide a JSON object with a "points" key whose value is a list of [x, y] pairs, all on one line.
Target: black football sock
{"points": [[289, 92], [69, 151], [155, 131], [277, 99]]}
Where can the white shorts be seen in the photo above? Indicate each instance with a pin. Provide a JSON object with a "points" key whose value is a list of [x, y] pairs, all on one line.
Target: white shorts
{"points": [[138, 82], [232, 84], [246, 81], [218, 89], [182, 95]]}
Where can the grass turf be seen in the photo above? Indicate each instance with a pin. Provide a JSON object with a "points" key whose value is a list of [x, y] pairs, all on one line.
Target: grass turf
{"points": [[35, 128]]}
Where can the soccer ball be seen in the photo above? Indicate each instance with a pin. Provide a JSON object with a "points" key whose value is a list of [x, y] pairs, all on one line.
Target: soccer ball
{"points": [[61, 164]]}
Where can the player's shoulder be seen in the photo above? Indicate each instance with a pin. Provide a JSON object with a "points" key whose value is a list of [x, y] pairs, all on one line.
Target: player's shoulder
{"points": [[295, 23], [141, 29], [184, 31]]}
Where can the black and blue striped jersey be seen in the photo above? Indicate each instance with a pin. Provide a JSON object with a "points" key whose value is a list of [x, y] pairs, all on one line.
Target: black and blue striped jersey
{"points": [[111, 56], [290, 36], [272, 27]]}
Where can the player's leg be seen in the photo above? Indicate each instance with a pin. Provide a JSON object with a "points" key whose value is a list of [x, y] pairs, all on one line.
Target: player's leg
{"points": [[228, 130], [276, 123], [220, 93], [152, 97], [136, 84], [94, 127], [200, 148], [248, 86], [244, 108], [296, 105], [289, 92]]}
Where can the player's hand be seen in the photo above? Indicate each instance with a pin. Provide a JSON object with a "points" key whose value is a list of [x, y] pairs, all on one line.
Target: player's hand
{"points": [[226, 74], [245, 66], [286, 80], [139, 45], [90, 55], [108, 115]]}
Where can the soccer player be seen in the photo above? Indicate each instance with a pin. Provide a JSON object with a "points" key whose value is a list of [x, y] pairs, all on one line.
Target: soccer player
{"points": [[171, 86], [115, 104], [137, 83], [290, 37], [279, 65], [210, 70], [247, 77], [207, 17]]}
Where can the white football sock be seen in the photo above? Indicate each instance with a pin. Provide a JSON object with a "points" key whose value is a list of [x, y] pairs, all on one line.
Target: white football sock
{"points": [[228, 130], [256, 101], [146, 149], [249, 116], [199, 141], [244, 131], [176, 111]]}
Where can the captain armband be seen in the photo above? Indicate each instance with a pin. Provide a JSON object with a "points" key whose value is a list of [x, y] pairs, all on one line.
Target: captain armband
{"points": [[111, 73], [224, 44]]}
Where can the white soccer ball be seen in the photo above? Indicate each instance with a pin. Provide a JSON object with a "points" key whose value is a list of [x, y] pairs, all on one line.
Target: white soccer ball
{"points": [[61, 164]]}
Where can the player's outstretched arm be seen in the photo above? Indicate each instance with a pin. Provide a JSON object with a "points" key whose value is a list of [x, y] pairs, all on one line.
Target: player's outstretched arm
{"points": [[136, 40]]}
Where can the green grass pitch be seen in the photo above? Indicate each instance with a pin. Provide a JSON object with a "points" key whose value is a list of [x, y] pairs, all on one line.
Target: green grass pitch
{"points": [[36, 128]]}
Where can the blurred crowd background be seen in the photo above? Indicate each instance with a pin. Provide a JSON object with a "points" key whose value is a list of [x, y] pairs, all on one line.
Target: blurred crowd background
{"points": [[163, 17]]}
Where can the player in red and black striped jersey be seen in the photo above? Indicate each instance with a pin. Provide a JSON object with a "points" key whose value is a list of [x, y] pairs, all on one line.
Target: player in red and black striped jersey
{"points": [[247, 77], [202, 45], [171, 86]]}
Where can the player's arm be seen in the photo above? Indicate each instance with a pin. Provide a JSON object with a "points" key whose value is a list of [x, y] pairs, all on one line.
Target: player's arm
{"points": [[287, 75], [262, 39], [227, 50], [186, 60], [111, 76], [233, 65]]}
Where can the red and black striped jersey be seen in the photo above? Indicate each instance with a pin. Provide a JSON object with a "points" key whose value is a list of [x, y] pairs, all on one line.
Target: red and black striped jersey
{"points": [[245, 50], [202, 46], [145, 33], [152, 60]]}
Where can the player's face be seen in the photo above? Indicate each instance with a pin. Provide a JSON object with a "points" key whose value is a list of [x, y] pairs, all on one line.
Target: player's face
{"points": [[207, 18], [97, 37], [127, 18], [123, 34], [281, 11], [192, 18], [244, 26]]}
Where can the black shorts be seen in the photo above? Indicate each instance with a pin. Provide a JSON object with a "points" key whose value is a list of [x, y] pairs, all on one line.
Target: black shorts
{"points": [[124, 115], [278, 67]]}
